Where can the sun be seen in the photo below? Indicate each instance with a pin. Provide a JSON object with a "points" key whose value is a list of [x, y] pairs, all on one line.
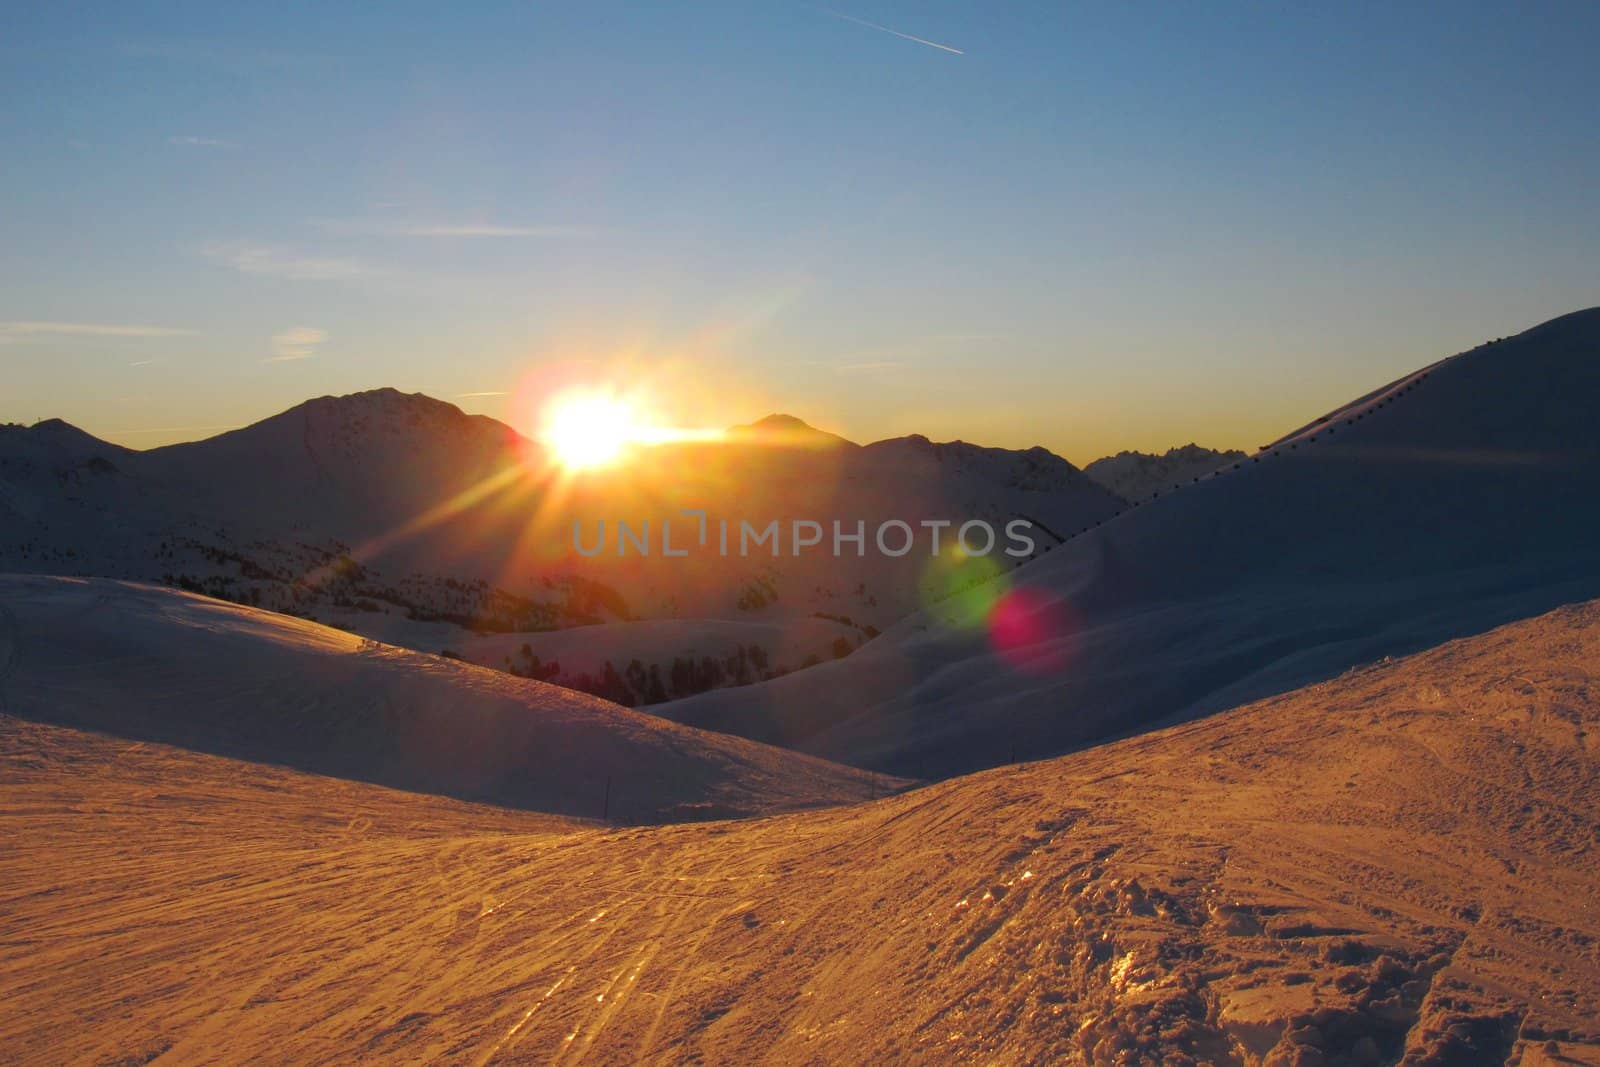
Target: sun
{"points": [[589, 429]]}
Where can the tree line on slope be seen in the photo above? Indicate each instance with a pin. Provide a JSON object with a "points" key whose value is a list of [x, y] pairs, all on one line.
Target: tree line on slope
{"points": [[636, 684]]}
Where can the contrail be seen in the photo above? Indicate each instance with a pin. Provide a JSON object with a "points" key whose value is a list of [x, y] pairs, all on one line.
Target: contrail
{"points": [[897, 33]]}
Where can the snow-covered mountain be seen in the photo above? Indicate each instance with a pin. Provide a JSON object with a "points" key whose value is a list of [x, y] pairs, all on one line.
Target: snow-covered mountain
{"points": [[1457, 498], [1137, 475], [343, 467], [401, 504]]}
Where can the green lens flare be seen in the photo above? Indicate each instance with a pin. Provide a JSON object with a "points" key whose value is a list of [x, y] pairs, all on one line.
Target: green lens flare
{"points": [[961, 590]]}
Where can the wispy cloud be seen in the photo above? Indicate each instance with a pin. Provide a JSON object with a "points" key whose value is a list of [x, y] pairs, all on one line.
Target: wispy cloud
{"points": [[286, 263], [191, 139], [897, 33], [396, 228], [141, 363], [11, 332], [486, 392], [296, 343]]}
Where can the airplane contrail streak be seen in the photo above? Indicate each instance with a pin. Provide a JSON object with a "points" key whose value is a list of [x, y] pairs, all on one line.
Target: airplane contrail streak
{"points": [[897, 33]]}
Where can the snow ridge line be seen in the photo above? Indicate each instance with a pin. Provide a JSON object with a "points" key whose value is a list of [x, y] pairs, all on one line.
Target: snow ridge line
{"points": [[1327, 424]]}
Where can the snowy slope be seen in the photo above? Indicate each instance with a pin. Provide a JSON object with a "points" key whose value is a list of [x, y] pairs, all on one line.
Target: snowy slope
{"points": [[1446, 503], [156, 665], [1396, 866]]}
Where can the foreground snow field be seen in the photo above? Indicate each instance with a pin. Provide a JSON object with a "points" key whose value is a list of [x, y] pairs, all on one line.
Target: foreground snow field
{"points": [[1397, 862]]}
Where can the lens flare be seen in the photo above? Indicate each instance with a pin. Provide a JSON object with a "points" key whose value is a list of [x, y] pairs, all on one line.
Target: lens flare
{"points": [[1031, 631], [961, 590]]}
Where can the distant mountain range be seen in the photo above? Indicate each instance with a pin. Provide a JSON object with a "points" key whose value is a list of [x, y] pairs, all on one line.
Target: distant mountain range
{"points": [[1137, 475], [360, 509]]}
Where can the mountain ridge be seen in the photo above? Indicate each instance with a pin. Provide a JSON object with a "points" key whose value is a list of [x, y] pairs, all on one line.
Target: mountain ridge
{"points": [[403, 503], [1135, 475]]}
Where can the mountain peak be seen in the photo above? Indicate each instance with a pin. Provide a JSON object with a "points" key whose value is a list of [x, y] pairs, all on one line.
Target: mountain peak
{"points": [[787, 430], [386, 398], [376, 426], [63, 435], [1138, 475], [388, 410], [779, 421]]}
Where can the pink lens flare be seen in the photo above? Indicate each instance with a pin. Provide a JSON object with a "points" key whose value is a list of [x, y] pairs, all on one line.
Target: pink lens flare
{"points": [[1031, 630]]}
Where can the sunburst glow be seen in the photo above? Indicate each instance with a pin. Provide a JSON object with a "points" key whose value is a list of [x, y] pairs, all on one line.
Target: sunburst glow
{"points": [[589, 429]]}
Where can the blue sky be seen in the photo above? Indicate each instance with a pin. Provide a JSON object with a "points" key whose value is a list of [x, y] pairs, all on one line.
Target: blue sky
{"points": [[1096, 227]]}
